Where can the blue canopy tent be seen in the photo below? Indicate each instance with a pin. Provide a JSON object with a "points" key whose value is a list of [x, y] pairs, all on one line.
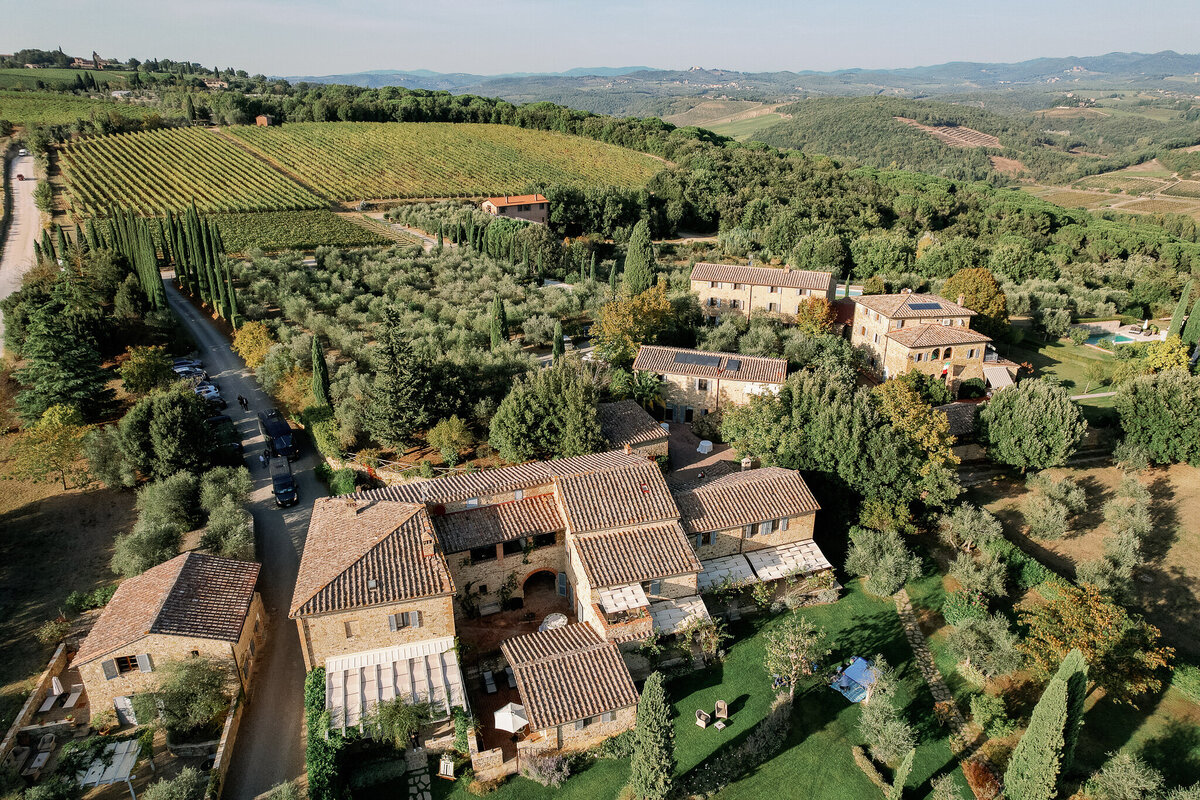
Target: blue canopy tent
{"points": [[855, 681]]}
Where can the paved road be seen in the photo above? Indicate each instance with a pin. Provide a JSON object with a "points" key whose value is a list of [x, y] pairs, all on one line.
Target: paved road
{"points": [[22, 233], [270, 744]]}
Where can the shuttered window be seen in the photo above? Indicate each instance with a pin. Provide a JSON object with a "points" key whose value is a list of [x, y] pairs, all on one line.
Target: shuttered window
{"points": [[783, 523], [144, 663], [562, 584], [405, 619], [110, 669], [608, 716], [748, 530]]}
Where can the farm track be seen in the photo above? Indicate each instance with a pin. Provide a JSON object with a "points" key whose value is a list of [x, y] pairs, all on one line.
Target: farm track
{"points": [[270, 162]]}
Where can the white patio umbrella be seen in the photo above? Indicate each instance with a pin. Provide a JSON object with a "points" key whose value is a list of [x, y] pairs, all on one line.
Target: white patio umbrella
{"points": [[511, 718]]}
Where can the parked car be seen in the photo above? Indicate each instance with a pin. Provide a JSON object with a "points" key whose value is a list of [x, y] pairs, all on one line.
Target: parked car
{"points": [[22, 152], [190, 373], [229, 441], [186, 361], [278, 434], [283, 483], [210, 394]]}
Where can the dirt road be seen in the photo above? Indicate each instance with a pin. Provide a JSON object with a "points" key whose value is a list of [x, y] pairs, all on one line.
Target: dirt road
{"points": [[270, 743], [17, 257]]}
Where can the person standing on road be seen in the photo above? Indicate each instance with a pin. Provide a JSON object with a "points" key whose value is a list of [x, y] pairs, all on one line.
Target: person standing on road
{"points": [[244, 403], [264, 457]]}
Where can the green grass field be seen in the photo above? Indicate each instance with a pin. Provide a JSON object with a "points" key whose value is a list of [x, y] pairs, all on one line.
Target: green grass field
{"points": [[1063, 361], [815, 762], [50, 108], [369, 160], [743, 129], [28, 78]]}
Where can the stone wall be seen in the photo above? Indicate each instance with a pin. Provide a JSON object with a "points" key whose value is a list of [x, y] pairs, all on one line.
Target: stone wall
{"points": [[680, 390], [345, 632], [963, 366], [58, 662], [492, 574], [224, 755], [756, 298]]}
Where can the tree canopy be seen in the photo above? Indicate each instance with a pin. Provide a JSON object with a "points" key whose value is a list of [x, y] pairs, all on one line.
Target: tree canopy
{"points": [[1034, 424]]}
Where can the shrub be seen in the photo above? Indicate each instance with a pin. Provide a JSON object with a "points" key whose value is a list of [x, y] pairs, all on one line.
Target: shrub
{"points": [[617, 747], [321, 425], [548, 770], [1125, 777], [989, 713], [983, 783], [960, 606], [78, 602], [945, 788], [868, 767], [1027, 571], [229, 532], [1047, 518], [463, 725], [1186, 679], [986, 644], [343, 481], [972, 388], [52, 631], [189, 784], [322, 747], [449, 437], [224, 484], [883, 559], [1078, 335], [708, 426], [969, 526]]}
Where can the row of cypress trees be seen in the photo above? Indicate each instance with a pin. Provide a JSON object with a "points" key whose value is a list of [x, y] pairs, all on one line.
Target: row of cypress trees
{"points": [[1047, 749], [201, 265]]}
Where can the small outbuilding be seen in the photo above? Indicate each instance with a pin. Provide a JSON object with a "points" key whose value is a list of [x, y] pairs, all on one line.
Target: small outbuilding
{"points": [[264, 120]]}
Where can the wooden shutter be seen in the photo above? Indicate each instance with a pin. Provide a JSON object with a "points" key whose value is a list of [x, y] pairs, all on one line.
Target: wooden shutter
{"points": [[414, 619], [562, 584], [392, 624], [608, 716], [748, 530], [144, 663], [783, 523], [110, 669]]}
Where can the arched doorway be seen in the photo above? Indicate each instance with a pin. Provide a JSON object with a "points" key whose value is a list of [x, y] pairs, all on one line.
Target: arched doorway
{"points": [[540, 591]]}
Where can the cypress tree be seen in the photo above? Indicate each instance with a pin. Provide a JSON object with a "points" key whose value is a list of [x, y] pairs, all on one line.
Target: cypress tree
{"points": [[60, 238], [93, 238], [189, 108], [320, 373], [559, 345], [901, 775], [48, 247], [612, 280], [639, 260], [37, 252], [653, 762], [233, 311], [1037, 760], [592, 269], [1074, 672], [1191, 330], [399, 397], [499, 322], [440, 240], [1180, 309]]}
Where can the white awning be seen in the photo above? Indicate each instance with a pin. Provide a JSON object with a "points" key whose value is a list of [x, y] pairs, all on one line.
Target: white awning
{"points": [[671, 615], [997, 377], [735, 569], [797, 558], [422, 672], [622, 598]]}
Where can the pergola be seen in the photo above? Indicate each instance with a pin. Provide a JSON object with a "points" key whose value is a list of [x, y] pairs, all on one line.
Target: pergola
{"points": [[114, 766]]}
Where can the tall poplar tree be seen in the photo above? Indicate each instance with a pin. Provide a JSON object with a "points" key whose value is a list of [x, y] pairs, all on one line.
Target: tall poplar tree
{"points": [[1180, 310], [499, 322], [320, 373]]}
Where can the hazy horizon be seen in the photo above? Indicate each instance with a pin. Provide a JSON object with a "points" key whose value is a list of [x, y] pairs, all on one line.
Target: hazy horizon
{"points": [[314, 38]]}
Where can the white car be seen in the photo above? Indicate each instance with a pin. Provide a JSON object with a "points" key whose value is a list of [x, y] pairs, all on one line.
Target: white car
{"points": [[22, 152]]}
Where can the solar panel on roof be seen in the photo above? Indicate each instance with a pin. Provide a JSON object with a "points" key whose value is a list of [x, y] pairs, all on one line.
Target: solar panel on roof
{"points": [[733, 364], [925, 306], [697, 360]]}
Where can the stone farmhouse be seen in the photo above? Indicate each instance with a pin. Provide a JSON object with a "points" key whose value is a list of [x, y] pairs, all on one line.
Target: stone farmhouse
{"points": [[696, 382], [776, 290], [929, 334], [530, 207], [191, 606], [394, 583]]}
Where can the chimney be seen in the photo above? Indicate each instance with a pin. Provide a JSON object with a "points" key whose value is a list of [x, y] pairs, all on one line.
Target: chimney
{"points": [[747, 463], [960, 299], [428, 545], [787, 267], [628, 449], [906, 291]]}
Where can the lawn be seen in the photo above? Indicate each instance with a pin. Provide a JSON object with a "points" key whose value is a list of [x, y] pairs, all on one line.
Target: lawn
{"points": [[816, 762], [1064, 361]]}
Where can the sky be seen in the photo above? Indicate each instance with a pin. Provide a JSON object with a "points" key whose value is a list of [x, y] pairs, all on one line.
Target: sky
{"points": [[306, 37]]}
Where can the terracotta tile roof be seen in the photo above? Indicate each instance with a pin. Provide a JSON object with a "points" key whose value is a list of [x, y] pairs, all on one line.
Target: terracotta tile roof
{"points": [[936, 336], [900, 306], [568, 674], [352, 541], [486, 525], [516, 200], [639, 554], [961, 417], [627, 423], [762, 276], [464, 485], [753, 369], [743, 498], [618, 498], [194, 595]]}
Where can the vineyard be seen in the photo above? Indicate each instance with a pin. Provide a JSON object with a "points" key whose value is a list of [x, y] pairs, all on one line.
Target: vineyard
{"points": [[55, 77], [368, 160], [47, 108], [292, 230], [165, 170]]}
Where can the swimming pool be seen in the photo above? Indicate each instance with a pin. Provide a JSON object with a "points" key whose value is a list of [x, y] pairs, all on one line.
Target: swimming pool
{"points": [[1109, 339]]}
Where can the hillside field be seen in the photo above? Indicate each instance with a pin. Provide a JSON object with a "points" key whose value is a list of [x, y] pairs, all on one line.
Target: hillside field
{"points": [[371, 160], [50, 108]]}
